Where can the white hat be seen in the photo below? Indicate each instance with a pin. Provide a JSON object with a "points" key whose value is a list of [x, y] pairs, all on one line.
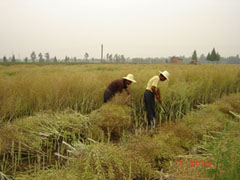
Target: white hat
{"points": [[130, 77], [165, 74]]}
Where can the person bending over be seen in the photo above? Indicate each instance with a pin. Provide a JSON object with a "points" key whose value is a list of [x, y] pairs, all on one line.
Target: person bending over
{"points": [[117, 86]]}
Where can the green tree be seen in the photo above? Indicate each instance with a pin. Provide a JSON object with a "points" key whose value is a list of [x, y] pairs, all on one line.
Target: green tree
{"points": [[66, 59], [86, 55], [117, 58], [214, 56], [194, 56], [4, 59], [218, 57], [74, 59], [13, 59], [110, 57], [33, 56], [25, 59], [47, 56], [202, 57], [122, 58], [55, 59], [107, 57], [40, 56], [209, 57]]}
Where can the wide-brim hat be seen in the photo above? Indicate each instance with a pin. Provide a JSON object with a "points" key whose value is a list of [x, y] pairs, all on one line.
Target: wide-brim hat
{"points": [[166, 74], [130, 77]]}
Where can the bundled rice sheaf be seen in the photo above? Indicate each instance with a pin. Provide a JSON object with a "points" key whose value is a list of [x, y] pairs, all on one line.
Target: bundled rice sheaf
{"points": [[157, 150], [41, 136], [113, 117], [101, 162], [213, 117], [229, 103], [34, 141], [31, 132]]}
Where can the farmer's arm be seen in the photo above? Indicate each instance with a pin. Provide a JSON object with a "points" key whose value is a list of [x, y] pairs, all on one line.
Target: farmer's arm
{"points": [[128, 91], [159, 96], [129, 95], [154, 86], [156, 92]]}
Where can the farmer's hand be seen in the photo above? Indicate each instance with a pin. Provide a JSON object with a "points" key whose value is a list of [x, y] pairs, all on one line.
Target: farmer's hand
{"points": [[160, 101], [130, 97]]}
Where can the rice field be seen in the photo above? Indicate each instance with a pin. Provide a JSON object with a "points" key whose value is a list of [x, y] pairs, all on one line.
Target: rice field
{"points": [[26, 89], [54, 125]]}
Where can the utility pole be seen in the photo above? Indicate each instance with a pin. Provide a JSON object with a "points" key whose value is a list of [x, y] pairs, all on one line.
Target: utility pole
{"points": [[101, 53]]}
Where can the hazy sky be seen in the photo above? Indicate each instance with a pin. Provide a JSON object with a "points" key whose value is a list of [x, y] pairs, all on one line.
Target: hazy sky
{"points": [[135, 28]]}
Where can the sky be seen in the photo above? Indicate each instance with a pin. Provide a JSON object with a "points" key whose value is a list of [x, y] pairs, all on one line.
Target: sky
{"points": [[134, 28]]}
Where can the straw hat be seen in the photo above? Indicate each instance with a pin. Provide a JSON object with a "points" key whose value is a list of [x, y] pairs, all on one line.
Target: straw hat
{"points": [[165, 74], [130, 77]]}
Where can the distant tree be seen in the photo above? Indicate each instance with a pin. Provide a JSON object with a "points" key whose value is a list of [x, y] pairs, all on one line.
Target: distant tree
{"points": [[117, 58], [55, 59], [47, 56], [107, 57], [214, 56], [122, 58], [86, 55], [33, 56], [13, 59], [218, 57], [194, 56], [209, 57], [74, 59], [66, 59], [110, 57], [25, 59], [40, 56], [238, 59], [4, 59], [232, 60], [202, 57]]}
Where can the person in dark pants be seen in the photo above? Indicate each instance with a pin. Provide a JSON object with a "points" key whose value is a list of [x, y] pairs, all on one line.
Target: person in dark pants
{"points": [[151, 92], [117, 86]]}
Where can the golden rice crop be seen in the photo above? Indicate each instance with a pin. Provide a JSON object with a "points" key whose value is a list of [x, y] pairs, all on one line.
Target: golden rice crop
{"points": [[25, 89]]}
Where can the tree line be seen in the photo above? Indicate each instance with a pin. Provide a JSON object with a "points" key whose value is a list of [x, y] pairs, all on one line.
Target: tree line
{"points": [[41, 58], [212, 56]]}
